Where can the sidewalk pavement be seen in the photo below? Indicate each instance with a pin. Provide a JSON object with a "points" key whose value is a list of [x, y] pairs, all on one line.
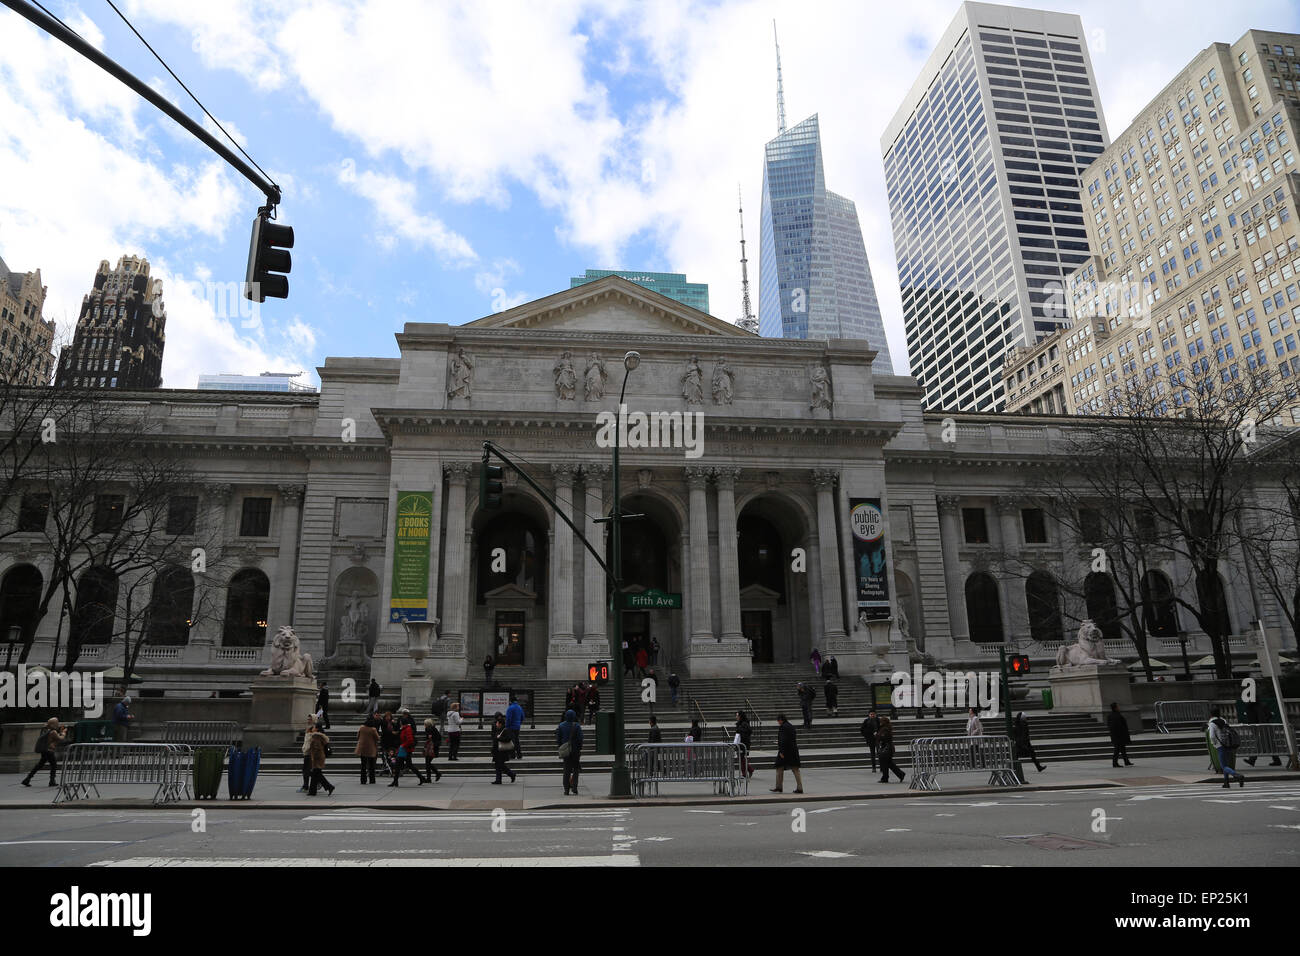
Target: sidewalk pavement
{"points": [[544, 790]]}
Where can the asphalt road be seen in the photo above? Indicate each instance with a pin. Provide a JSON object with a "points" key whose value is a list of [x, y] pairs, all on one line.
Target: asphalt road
{"points": [[1180, 825]]}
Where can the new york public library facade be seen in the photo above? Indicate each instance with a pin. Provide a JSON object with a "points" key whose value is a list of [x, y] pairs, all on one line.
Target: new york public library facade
{"points": [[754, 529]]}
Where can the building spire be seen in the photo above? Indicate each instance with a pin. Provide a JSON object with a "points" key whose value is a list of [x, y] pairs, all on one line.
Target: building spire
{"points": [[780, 88], [747, 320]]}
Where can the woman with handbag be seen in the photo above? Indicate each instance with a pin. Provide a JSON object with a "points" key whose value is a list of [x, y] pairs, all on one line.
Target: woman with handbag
{"points": [[405, 751], [568, 742], [54, 735], [503, 747], [432, 740], [318, 746]]}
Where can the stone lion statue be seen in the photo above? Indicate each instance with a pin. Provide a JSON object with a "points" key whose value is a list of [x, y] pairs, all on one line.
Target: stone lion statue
{"points": [[1089, 648], [286, 658]]}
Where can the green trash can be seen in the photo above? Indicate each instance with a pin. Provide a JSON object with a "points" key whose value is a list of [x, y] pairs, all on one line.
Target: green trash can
{"points": [[604, 732], [208, 766], [1047, 697], [92, 732]]}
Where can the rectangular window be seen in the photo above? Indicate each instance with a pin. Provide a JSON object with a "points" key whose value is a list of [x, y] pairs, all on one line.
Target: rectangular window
{"points": [[108, 513], [1035, 525], [181, 513], [1090, 526], [975, 525], [33, 512], [255, 521]]}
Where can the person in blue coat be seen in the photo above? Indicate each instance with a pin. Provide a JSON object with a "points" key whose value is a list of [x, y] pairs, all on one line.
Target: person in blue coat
{"points": [[515, 721], [570, 732]]}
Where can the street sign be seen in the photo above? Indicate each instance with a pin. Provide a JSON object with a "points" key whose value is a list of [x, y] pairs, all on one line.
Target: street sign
{"points": [[598, 672], [653, 598]]}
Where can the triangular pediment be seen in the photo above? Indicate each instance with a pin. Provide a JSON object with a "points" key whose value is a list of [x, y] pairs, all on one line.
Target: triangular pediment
{"points": [[610, 304], [507, 591]]}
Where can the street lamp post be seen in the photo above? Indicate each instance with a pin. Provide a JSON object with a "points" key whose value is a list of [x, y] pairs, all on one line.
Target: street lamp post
{"points": [[13, 636], [620, 781]]}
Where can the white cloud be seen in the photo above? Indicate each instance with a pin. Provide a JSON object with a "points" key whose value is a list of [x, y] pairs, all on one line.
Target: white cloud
{"points": [[395, 200]]}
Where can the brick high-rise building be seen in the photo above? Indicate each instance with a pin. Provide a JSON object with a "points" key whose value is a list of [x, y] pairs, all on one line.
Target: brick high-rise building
{"points": [[26, 339], [120, 331]]}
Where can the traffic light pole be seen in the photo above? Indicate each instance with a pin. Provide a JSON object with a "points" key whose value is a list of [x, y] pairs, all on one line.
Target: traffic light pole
{"points": [[1006, 700], [57, 30]]}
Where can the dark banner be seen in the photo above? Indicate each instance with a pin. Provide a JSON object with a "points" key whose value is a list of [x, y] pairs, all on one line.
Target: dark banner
{"points": [[867, 522]]}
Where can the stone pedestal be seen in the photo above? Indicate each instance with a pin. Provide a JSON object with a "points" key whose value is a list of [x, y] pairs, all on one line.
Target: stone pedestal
{"points": [[279, 712], [1091, 689], [417, 691], [719, 659], [568, 660], [348, 654]]}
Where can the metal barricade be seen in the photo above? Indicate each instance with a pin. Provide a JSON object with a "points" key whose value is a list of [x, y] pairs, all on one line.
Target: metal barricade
{"points": [[1195, 712], [87, 767], [932, 756], [715, 763], [1262, 740], [203, 733]]}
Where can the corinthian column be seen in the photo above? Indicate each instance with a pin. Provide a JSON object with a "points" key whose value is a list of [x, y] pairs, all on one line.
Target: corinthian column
{"points": [[287, 562], [697, 478], [562, 557], [950, 540], [455, 563], [594, 583], [728, 561], [832, 595]]}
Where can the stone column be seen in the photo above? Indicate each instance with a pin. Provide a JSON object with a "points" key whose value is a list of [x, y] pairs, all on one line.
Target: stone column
{"points": [[1013, 592], [950, 540], [595, 585], [561, 601], [728, 560], [455, 563], [286, 563], [831, 596], [699, 571]]}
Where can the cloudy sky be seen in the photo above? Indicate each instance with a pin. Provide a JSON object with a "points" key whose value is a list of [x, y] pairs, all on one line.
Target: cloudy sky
{"points": [[441, 161]]}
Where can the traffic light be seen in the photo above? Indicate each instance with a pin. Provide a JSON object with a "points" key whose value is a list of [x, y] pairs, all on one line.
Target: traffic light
{"points": [[268, 257], [598, 673], [489, 486], [1018, 665]]}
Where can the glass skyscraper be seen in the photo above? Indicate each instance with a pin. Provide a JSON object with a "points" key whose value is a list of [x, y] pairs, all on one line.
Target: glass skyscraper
{"points": [[814, 280], [982, 166], [671, 284]]}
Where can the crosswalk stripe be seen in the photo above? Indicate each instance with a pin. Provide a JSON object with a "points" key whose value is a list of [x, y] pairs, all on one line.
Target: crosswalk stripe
{"points": [[618, 859]]}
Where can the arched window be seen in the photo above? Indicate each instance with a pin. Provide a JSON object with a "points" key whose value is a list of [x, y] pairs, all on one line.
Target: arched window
{"points": [[983, 609], [645, 555], [1099, 597], [760, 555], [1044, 602], [171, 607], [92, 619], [20, 598], [517, 539], [248, 599], [1159, 615]]}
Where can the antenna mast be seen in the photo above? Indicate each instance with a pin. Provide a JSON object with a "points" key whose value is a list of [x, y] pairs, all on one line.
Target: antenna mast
{"points": [[747, 320], [780, 89]]}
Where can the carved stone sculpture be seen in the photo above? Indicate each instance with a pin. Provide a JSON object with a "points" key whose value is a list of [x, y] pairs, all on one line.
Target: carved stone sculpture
{"points": [[724, 380], [692, 381], [595, 378], [566, 379], [286, 658], [461, 375], [820, 382], [1089, 648]]}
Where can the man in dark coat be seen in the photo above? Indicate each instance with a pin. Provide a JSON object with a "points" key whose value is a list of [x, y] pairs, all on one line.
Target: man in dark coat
{"points": [[323, 706], [1255, 715], [1118, 727], [787, 754], [806, 697], [870, 727], [832, 696], [1024, 748]]}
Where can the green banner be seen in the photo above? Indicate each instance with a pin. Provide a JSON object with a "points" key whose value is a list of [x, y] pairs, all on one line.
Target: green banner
{"points": [[410, 600]]}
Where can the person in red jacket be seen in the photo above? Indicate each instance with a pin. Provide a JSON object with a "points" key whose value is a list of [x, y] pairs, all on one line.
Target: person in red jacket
{"points": [[405, 749]]}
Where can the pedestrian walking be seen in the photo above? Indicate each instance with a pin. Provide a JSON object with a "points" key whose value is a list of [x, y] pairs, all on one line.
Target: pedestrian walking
{"points": [[806, 697], [816, 658], [568, 743], [696, 733], [1225, 740], [489, 668], [831, 667], [323, 706], [306, 754], [439, 709], [744, 736], [869, 729], [787, 754], [432, 741], [832, 696], [54, 736], [373, 694], [654, 652], [318, 749], [629, 660], [368, 750], [674, 686], [405, 749], [1024, 748], [1255, 715], [885, 748], [122, 718], [974, 729], [593, 703], [515, 721], [580, 701], [642, 662], [454, 722], [656, 736], [388, 741], [503, 746], [1119, 736]]}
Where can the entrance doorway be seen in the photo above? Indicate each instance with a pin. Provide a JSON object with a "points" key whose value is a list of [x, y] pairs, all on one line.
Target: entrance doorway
{"points": [[636, 630], [510, 638], [757, 628]]}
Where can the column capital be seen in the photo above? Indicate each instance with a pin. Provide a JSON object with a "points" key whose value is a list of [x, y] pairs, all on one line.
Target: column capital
{"points": [[564, 473], [458, 472], [1008, 506], [948, 504], [595, 474], [824, 478], [697, 476], [292, 493], [726, 475], [219, 492]]}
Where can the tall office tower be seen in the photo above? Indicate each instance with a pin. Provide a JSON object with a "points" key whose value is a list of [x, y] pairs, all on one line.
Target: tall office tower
{"points": [[814, 280], [671, 284], [982, 165], [1194, 224], [120, 331], [26, 339]]}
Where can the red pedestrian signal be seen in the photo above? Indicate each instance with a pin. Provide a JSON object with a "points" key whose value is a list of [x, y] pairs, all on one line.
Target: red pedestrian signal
{"points": [[1019, 665], [598, 673]]}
